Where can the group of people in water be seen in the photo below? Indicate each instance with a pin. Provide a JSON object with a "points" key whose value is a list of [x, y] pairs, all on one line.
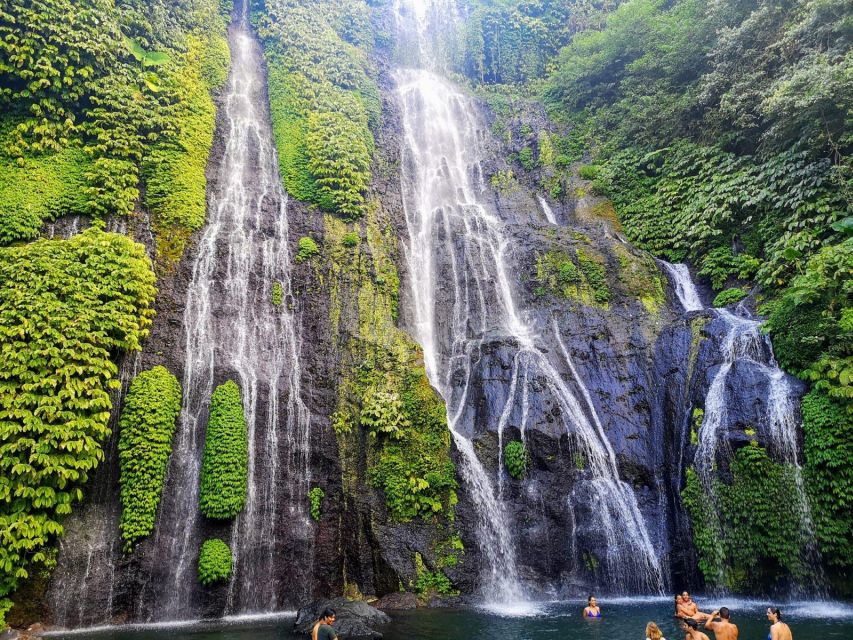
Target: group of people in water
{"points": [[690, 618]]}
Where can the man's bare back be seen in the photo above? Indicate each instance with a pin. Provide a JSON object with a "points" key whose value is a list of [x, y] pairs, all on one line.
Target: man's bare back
{"points": [[723, 629]]}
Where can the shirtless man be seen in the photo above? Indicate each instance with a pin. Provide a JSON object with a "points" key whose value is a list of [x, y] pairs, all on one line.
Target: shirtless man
{"points": [[689, 609], [691, 630], [723, 629], [778, 629]]}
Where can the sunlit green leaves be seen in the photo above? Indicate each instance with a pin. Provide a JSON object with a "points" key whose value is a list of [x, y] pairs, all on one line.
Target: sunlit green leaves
{"points": [[224, 465], [146, 427], [214, 562], [66, 308]]}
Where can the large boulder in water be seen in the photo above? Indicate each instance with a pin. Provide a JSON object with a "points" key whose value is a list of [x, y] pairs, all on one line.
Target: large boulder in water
{"points": [[354, 619]]}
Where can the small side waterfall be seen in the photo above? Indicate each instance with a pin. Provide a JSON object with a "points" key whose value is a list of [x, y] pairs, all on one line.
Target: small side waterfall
{"points": [[547, 210], [686, 291], [233, 330], [743, 343]]}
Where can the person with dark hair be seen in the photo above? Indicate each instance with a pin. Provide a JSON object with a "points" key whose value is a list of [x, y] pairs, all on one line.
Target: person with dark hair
{"points": [[691, 630], [690, 610], [323, 629], [592, 610], [720, 623], [778, 629]]}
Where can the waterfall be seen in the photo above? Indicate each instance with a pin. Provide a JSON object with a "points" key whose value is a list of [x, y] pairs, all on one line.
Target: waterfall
{"points": [[463, 300], [743, 343], [547, 210], [234, 331], [686, 291]]}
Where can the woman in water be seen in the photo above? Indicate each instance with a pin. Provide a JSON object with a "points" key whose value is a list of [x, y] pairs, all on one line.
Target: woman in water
{"points": [[678, 602], [778, 629], [653, 632], [592, 610]]}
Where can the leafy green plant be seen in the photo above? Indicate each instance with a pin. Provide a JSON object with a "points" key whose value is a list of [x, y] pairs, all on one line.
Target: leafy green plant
{"points": [[67, 307], [350, 239], [588, 171], [516, 459], [414, 470], [146, 427], [224, 463], [430, 582], [214, 562], [525, 159], [277, 294], [307, 249], [729, 296], [316, 496], [323, 98], [382, 413], [741, 545], [828, 448], [595, 275], [35, 189]]}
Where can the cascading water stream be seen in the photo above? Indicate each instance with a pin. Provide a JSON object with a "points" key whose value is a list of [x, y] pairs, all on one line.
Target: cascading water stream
{"points": [[459, 249], [547, 210], [233, 330], [744, 343]]}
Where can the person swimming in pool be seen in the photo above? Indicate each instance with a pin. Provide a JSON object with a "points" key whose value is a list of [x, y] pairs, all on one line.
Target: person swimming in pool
{"points": [[691, 630], [778, 629], [592, 610], [690, 610]]}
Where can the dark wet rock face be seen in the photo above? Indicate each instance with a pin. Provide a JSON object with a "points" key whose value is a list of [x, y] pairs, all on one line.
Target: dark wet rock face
{"points": [[353, 619]]}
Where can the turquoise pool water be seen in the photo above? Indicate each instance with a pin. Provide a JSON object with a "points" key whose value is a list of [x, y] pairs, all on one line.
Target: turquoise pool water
{"points": [[623, 619]]}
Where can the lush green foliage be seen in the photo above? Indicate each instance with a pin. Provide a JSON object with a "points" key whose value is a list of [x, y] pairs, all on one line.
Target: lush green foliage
{"points": [[38, 188], [323, 99], [729, 296], [315, 496], [724, 133], [430, 582], [146, 427], [67, 307], [812, 322], [350, 239], [224, 464], [513, 41], [307, 249], [214, 562], [174, 167], [829, 477], [277, 294], [742, 542], [382, 370], [413, 468], [516, 459], [99, 94], [382, 413]]}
